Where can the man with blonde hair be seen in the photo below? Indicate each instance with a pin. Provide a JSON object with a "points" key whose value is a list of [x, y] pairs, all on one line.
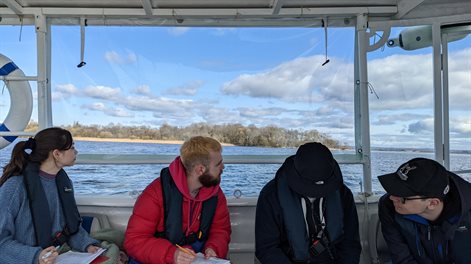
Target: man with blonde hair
{"points": [[184, 210]]}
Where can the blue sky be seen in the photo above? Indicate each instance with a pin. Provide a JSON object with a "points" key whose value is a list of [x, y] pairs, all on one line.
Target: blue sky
{"points": [[177, 76]]}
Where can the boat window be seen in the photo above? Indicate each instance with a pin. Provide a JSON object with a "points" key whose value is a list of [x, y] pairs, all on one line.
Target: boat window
{"points": [[402, 101], [268, 85], [459, 65]]}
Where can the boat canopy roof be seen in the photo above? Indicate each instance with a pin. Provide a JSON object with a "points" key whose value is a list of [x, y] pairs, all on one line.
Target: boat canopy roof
{"points": [[220, 13]]}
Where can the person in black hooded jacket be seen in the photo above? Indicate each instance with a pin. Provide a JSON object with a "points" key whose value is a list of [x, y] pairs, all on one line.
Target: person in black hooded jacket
{"points": [[426, 214], [306, 214]]}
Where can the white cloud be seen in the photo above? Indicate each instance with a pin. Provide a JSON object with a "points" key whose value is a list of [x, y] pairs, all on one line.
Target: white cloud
{"points": [[67, 88], [101, 92], [160, 105], [96, 106], [250, 112], [300, 80], [461, 125], [422, 126], [190, 88], [112, 57], [101, 107], [142, 90], [116, 58], [118, 112], [64, 91], [131, 57], [406, 81], [403, 83], [177, 31], [223, 31], [219, 115], [391, 119]]}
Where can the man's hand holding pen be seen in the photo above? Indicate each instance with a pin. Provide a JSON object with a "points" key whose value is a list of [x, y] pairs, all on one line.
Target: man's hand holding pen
{"points": [[183, 255]]}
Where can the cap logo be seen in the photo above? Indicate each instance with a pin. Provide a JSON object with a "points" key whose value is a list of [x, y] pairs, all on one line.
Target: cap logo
{"points": [[404, 170], [319, 182], [447, 189]]}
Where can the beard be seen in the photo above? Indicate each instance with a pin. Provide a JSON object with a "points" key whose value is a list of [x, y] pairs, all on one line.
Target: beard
{"points": [[208, 180]]}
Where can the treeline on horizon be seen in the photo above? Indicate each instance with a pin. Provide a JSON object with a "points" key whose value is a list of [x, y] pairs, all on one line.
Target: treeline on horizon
{"points": [[236, 134]]}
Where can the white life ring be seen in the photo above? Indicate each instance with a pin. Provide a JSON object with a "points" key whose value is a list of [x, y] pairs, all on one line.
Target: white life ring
{"points": [[21, 101]]}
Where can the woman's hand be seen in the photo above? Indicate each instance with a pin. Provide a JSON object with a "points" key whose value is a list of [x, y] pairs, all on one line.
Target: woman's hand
{"points": [[48, 255], [92, 249]]}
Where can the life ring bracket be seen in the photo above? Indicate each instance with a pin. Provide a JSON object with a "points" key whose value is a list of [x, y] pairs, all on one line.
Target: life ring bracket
{"points": [[18, 78]]}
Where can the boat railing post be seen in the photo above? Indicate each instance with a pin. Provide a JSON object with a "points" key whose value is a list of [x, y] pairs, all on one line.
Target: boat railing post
{"points": [[362, 45], [43, 64]]}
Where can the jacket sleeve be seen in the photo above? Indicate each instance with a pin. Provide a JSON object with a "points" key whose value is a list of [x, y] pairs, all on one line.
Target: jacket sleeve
{"points": [[349, 248], [12, 197], [400, 252], [81, 240], [268, 229], [140, 242], [220, 231]]}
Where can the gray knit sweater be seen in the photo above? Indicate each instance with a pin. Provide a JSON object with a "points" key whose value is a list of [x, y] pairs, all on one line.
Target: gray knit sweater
{"points": [[17, 235]]}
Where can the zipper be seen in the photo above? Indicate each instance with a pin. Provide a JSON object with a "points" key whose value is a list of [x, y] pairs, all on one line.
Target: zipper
{"points": [[429, 231], [311, 204]]}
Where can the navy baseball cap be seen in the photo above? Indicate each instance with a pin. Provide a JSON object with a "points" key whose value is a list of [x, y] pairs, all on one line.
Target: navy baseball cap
{"points": [[419, 176]]}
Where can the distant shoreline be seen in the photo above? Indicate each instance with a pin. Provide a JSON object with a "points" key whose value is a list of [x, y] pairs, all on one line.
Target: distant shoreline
{"points": [[179, 142], [130, 140]]}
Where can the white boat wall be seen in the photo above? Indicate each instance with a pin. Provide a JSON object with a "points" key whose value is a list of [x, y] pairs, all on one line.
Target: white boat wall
{"points": [[114, 212], [439, 20]]}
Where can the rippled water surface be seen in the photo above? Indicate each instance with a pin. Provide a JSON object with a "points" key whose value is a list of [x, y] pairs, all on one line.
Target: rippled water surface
{"points": [[249, 179]]}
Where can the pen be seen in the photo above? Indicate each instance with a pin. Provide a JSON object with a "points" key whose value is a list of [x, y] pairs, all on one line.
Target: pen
{"points": [[185, 250], [45, 256]]}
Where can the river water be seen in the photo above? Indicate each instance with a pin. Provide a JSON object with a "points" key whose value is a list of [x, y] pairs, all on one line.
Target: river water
{"points": [[248, 179]]}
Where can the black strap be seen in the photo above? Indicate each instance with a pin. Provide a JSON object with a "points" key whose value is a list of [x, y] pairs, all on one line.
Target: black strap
{"points": [[315, 224], [40, 211], [315, 216], [38, 205], [172, 203]]}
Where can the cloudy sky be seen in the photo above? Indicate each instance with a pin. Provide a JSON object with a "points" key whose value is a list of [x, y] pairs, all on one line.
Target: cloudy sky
{"points": [[178, 76]]}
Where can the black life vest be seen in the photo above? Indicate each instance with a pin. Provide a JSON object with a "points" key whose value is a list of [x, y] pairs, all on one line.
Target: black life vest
{"points": [[294, 220], [172, 202], [40, 209]]}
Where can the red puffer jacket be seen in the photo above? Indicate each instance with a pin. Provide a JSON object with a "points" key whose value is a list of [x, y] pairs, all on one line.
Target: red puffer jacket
{"points": [[148, 218]]}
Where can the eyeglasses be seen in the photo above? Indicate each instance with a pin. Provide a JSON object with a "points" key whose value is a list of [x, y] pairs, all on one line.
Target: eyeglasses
{"points": [[405, 199]]}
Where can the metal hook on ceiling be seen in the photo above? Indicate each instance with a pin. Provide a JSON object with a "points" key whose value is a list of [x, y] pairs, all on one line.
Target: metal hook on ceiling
{"points": [[83, 23], [325, 25]]}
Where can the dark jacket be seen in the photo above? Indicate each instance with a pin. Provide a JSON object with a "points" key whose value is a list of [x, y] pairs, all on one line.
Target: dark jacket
{"points": [[273, 231], [413, 239]]}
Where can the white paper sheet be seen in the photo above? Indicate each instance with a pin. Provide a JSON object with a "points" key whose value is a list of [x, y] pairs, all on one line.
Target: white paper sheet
{"points": [[71, 257], [201, 260]]}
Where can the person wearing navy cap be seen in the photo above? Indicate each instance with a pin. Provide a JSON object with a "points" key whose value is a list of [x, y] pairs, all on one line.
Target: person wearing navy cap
{"points": [[306, 214], [426, 214]]}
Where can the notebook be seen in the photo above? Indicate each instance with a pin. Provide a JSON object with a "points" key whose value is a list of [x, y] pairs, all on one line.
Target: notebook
{"points": [[201, 260], [70, 257]]}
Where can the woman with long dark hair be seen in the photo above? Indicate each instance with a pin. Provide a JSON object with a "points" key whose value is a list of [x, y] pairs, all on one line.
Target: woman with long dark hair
{"points": [[37, 201]]}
